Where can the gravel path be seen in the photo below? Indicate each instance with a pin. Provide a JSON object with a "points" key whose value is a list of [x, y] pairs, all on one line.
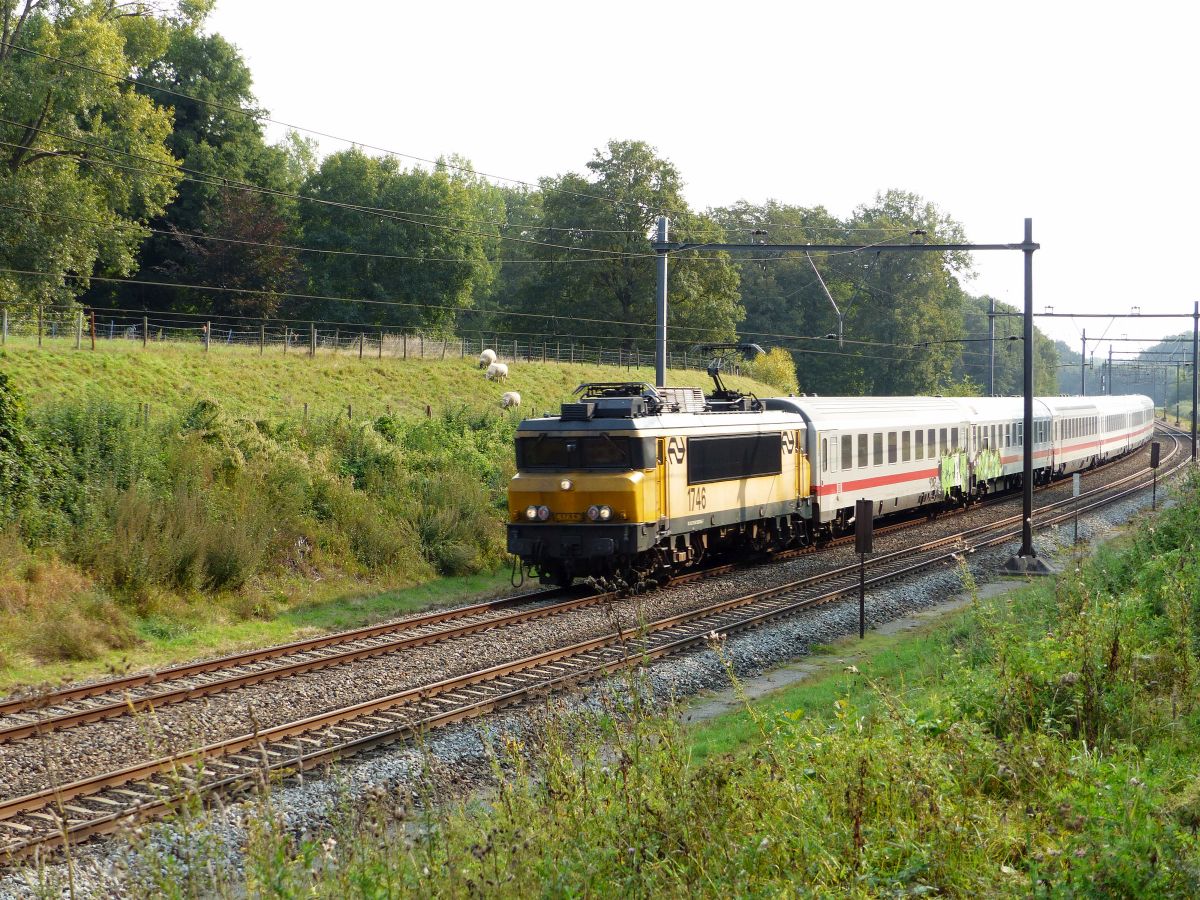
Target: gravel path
{"points": [[101, 869]]}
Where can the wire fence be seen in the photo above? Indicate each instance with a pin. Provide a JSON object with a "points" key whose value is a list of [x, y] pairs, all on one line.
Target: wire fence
{"points": [[91, 330]]}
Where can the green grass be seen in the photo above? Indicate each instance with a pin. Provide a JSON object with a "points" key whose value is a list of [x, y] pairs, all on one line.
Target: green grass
{"points": [[278, 385]]}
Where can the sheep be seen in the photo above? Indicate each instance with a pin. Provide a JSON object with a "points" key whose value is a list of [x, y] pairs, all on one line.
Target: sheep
{"points": [[510, 400], [486, 358], [496, 371]]}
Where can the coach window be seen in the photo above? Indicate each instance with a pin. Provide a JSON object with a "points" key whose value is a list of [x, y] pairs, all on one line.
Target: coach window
{"points": [[862, 451], [891, 448], [906, 444], [942, 446], [953, 438], [877, 448], [1007, 435], [824, 454], [930, 444], [920, 434], [847, 452]]}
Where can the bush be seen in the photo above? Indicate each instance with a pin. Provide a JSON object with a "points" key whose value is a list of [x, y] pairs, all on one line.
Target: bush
{"points": [[777, 368]]}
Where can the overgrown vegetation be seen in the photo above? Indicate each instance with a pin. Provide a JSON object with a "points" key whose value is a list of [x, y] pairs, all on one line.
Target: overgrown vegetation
{"points": [[1043, 743], [120, 528]]}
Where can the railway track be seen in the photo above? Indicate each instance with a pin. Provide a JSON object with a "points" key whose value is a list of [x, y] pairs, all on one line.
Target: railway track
{"points": [[34, 714], [104, 803]]}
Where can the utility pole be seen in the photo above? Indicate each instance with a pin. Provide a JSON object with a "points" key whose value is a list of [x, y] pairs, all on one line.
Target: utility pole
{"points": [[992, 349], [1026, 561], [1083, 367], [660, 330]]}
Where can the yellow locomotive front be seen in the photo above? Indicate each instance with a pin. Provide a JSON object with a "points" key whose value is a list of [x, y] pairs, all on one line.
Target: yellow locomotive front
{"points": [[584, 501]]}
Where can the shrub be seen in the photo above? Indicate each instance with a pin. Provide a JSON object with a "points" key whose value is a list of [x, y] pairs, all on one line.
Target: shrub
{"points": [[777, 368]]}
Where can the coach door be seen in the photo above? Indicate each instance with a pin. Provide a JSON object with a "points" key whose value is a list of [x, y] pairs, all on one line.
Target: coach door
{"points": [[832, 448], [664, 514]]}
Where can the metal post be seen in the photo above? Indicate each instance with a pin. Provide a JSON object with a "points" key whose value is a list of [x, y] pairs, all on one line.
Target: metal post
{"points": [[862, 595], [1110, 371], [207, 335], [312, 339], [1083, 367], [145, 332], [660, 329], [1195, 372], [79, 329], [262, 338], [362, 339], [1026, 561], [992, 349]]}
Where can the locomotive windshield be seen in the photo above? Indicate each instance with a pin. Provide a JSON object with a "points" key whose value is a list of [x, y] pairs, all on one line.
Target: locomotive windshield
{"points": [[588, 452]]}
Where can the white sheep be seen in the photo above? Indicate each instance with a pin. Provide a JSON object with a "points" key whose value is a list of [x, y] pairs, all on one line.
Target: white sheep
{"points": [[510, 400], [486, 358], [496, 372]]}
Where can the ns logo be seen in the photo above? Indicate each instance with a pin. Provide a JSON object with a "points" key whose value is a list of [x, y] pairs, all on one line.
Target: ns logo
{"points": [[675, 450]]}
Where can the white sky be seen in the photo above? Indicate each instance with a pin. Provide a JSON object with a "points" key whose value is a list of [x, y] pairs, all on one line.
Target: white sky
{"points": [[1079, 115]]}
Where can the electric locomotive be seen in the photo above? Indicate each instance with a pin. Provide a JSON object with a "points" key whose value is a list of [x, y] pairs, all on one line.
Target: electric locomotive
{"points": [[631, 481]]}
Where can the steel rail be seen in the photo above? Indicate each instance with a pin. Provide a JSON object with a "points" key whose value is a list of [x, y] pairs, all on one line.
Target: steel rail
{"points": [[187, 769]]}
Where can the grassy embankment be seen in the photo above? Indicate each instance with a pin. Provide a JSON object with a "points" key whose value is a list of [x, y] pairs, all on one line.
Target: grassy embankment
{"points": [[1044, 742], [228, 517]]}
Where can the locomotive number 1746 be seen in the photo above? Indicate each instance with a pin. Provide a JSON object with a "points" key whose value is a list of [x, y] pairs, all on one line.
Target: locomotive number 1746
{"points": [[696, 499]]}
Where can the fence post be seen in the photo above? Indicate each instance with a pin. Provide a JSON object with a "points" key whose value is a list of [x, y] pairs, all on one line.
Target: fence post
{"points": [[262, 338], [145, 331], [3, 326], [78, 329], [462, 348], [349, 412], [312, 339], [514, 350], [207, 335], [285, 338], [421, 347], [572, 352], [39, 324], [381, 343], [337, 339], [362, 339], [404, 341], [93, 329]]}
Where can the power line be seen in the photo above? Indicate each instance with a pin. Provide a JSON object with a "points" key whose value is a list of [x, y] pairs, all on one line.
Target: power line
{"points": [[226, 183], [209, 237], [442, 307], [259, 117]]}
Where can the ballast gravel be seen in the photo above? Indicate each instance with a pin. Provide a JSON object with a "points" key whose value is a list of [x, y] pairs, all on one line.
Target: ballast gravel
{"points": [[102, 868]]}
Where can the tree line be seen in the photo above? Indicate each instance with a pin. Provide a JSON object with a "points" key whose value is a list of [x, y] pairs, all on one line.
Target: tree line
{"points": [[132, 175]]}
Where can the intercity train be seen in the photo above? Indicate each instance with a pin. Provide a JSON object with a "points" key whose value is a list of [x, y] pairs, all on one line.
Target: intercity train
{"points": [[631, 483]]}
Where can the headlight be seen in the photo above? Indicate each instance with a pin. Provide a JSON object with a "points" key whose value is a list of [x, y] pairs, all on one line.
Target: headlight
{"points": [[565, 484], [543, 513], [593, 513], [531, 513], [605, 513]]}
